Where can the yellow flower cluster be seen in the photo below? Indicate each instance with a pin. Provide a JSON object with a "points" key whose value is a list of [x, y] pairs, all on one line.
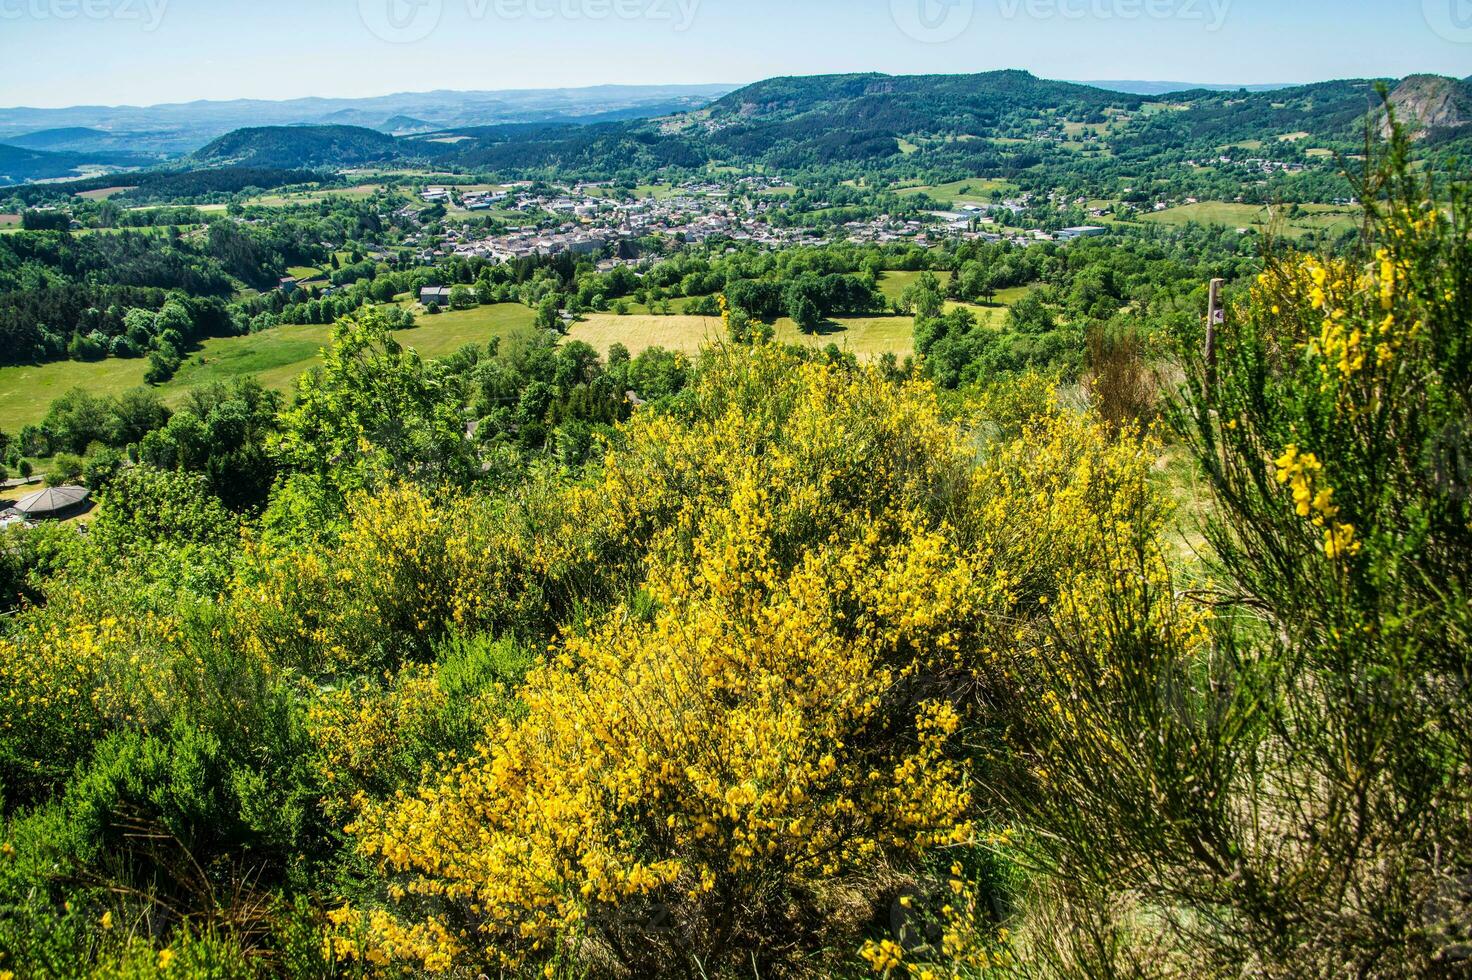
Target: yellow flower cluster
{"points": [[1302, 472], [966, 946], [409, 567], [366, 734], [379, 940], [79, 667], [733, 739], [811, 551], [1364, 315]]}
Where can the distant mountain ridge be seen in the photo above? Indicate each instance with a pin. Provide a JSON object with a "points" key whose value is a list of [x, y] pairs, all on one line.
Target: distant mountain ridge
{"points": [[179, 128], [1166, 88]]}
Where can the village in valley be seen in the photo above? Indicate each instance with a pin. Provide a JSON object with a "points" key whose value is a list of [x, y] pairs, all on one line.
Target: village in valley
{"points": [[586, 219]]}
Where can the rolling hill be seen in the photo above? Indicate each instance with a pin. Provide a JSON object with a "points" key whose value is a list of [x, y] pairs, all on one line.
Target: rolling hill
{"points": [[75, 138], [1002, 123], [996, 122], [302, 147], [1135, 87], [19, 165]]}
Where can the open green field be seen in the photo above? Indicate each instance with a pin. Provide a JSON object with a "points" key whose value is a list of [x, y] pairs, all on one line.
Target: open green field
{"points": [[893, 284], [9, 221], [1314, 217], [865, 336], [975, 190], [660, 192], [276, 357], [219, 208], [272, 200]]}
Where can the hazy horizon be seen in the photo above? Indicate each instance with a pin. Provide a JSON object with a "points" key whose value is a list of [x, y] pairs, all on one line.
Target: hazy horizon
{"points": [[332, 97], [151, 52]]}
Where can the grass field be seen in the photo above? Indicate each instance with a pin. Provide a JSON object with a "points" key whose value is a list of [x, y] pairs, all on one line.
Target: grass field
{"points": [[865, 336], [102, 193], [660, 192], [9, 221], [1315, 217], [639, 332], [277, 357], [892, 284], [971, 191], [313, 197]]}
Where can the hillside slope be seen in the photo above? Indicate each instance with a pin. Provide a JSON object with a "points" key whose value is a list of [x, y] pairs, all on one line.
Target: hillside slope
{"points": [[296, 147], [19, 165], [1430, 105]]}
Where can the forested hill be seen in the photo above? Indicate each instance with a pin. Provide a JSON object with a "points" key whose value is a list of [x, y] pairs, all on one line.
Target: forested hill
{"points": [[302, 146], [997, 122], [791, 122], [19, 164], [914, 103], [1001, 123]]}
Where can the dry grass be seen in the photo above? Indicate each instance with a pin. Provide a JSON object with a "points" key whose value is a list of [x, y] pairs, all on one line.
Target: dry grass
{"points": [[641, 332]]}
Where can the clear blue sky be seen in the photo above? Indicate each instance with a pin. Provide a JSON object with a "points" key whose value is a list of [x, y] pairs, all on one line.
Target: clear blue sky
{"points": [[66, 52]]}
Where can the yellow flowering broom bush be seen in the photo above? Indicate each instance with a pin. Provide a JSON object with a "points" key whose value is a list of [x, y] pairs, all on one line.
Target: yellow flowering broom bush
{"points": [[725, 766], [90, 663], [1276, 782]]}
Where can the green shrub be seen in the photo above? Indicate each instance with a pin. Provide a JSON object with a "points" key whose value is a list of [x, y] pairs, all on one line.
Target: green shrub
{"points": [[1276, 780]]}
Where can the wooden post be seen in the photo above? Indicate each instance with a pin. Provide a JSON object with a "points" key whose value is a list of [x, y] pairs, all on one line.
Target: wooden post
{"points": [[1216, 316]]}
